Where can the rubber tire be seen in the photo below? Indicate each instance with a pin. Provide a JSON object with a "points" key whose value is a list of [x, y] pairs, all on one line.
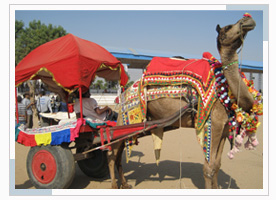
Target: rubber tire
{"points": [[96, 166], [65, 167]]}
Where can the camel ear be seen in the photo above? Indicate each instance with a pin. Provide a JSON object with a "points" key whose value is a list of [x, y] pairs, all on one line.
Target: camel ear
{"points": [[218, 28]]}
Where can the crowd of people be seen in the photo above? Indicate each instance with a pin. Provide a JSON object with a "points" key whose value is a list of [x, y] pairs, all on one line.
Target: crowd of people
{"points": [[43, 104], [53, 104]]}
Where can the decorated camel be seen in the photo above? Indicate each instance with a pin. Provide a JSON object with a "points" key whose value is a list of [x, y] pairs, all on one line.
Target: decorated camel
{"points": [[230, 113]]}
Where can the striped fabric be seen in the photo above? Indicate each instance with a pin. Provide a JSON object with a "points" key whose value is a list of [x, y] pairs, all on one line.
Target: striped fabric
{"points": [[52, 135], [22, 111]]}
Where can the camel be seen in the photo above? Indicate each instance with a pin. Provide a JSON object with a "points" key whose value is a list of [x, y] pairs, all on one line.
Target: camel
{"points": [[229, 40]]}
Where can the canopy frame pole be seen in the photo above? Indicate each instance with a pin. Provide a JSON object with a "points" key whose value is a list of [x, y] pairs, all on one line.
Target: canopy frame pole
{"points": [[67, 104], [16, 107], [80, 98]]}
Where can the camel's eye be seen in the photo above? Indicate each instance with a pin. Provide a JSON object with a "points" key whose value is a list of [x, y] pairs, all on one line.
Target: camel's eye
{"points": [[227, 28]]}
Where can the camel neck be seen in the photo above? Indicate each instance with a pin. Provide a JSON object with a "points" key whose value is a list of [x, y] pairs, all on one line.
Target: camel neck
{"points": [[228, 56], [236, 84]]}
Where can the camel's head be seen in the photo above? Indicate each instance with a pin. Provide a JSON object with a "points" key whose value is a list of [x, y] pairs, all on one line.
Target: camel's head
{"points": [[233, 35]]}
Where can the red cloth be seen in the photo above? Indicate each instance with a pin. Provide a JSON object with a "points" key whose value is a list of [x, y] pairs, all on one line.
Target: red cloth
{"points": [[111, 123], [76, 130], [125, 131], [70, 107], [199, 67], [25, 139], [71, 57], [108, 124]]}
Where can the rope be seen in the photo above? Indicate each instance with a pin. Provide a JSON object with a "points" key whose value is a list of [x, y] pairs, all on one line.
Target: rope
{"points": [[239, 87], [238, 97], [224, 67], [180, 151], [180, 114], [242, 39]]}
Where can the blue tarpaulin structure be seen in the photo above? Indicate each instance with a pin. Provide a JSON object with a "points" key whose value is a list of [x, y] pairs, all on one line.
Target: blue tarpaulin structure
{"points": [[137, 58]]}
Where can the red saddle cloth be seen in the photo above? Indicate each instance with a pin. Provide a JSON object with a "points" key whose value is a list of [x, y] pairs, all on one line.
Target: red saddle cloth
{"points": [[196, 67]]}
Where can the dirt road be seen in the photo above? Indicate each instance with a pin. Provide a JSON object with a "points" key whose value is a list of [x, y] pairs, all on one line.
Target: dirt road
{"points": [[180, 166]]}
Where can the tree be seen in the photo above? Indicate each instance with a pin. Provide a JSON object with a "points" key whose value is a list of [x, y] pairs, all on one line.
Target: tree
{"points": [[99, 84], [129, 83], [27, 39], [18, 28]]}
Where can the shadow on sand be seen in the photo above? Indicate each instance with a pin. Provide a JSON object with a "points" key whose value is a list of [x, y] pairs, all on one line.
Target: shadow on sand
{"points": [[167, 170], [26, 185]]}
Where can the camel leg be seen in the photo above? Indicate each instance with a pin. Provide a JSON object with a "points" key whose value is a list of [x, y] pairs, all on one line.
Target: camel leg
{"points": [[219, 133], [111, 159], [157, 136], [211, 170], [218, 158], [114, 157], [118, 163]]}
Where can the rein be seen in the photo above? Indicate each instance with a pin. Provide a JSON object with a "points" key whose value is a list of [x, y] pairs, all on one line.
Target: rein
{"points": [[224, 67]]}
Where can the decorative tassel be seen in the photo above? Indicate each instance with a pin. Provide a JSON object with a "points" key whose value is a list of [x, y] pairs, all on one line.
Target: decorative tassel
{"points": [[248, 145], [236, 148], [247, 15], [252, 142]]}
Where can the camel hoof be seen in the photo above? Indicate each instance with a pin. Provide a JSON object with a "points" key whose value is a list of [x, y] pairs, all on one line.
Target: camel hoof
{"points": [[114, 187], [126, 186]]}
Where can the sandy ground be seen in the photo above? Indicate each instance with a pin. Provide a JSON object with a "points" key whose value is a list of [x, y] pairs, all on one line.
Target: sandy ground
{"points": [[180, 166]]}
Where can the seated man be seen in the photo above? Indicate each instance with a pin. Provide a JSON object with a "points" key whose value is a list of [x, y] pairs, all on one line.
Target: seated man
{"points": [[92, 110]]}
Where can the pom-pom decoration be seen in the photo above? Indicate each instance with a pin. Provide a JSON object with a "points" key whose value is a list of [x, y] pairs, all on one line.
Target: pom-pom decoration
{"points": [[240, 123], [247, 15]]}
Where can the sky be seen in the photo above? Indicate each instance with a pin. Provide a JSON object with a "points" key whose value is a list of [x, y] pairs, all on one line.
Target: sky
{"points": [[182, 32]]}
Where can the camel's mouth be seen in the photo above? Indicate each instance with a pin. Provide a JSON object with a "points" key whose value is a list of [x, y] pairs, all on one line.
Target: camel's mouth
{"points": [[248, 24], [248, 27]]}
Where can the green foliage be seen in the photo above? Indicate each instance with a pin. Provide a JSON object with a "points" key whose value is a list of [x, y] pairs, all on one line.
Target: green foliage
{"points": [[129, 83], [99, 84], [18, 28], [27, 39], [111, 84]]}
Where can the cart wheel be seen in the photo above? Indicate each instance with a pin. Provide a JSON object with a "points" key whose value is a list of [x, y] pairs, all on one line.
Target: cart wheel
{"points": [[50, 167], [95, 166]]}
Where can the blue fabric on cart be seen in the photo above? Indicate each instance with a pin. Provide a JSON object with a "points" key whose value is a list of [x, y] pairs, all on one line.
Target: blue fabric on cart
{"points": [[60, 137]]}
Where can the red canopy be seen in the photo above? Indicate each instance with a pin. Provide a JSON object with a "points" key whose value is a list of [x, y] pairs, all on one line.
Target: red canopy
{"points": [[69, 62]]}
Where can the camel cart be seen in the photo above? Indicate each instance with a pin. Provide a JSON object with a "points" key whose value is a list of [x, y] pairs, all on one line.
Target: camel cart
{"points": [[65, 65]]}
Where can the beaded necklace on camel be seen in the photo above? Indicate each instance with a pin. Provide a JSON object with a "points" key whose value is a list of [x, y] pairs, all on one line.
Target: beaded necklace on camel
{"points": [[241, 123]]}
